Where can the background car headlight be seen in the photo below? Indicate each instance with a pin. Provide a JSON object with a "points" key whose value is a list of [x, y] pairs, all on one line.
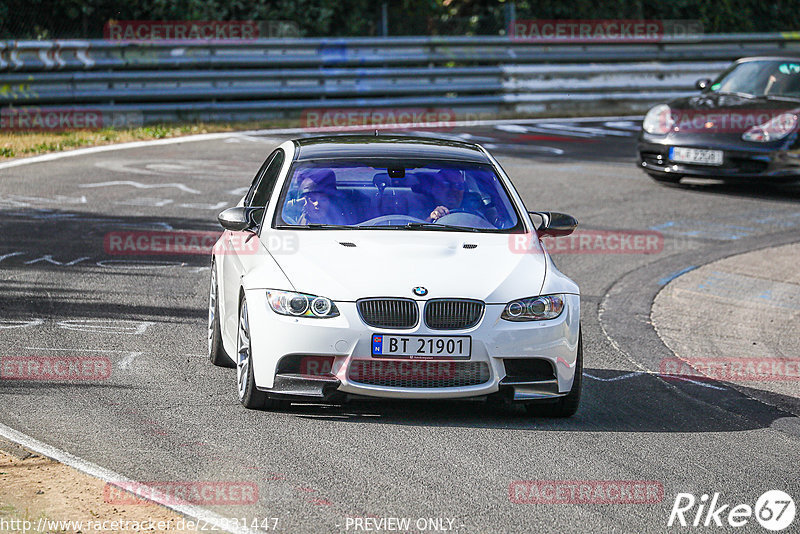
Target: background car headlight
{"points": [[534, 308], [301, 305], [774, 129], [658, 120]]}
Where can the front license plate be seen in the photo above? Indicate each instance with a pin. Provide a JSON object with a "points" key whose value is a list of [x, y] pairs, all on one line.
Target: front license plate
{"points": [[698, 156], [421, 347]]}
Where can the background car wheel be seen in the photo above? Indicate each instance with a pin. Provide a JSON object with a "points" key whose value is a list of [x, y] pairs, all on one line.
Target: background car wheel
{"points": [[249, 395], [567, 405], [665, 178], [216, 351]]}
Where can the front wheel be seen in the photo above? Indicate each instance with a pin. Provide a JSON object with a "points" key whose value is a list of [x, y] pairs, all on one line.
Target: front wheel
{"points": [[249, 394], [567, 405]]}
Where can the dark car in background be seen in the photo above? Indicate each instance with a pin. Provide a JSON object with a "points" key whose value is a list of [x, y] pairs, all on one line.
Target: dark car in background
{"points": [[742, 126]]}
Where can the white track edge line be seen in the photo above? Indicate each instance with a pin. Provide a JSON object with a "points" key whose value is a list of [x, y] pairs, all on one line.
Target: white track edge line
{"points": [[280, 131], [119, 146], [106, 475]]}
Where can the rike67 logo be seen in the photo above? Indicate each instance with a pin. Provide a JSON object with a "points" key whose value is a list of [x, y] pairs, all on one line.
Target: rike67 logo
{"points": [[774, 510]]}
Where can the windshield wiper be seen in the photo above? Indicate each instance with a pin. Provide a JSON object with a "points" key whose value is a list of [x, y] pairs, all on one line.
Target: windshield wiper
{"points": [[736, 93], [765, 97], [438, 226], [409, 226], [316, 226], [782, 98]]}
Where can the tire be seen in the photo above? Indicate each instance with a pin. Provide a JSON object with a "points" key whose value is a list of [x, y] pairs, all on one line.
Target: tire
{"points": [[249, 395], [673, 179], [567, 405], [216, 351]]}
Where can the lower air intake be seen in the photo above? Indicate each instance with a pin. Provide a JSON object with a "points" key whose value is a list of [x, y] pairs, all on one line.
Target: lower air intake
{"points": [[416, 374]]}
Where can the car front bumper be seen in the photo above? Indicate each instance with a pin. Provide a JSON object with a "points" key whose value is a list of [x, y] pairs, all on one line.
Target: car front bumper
{"points": [[347, 341], [738, 163]]}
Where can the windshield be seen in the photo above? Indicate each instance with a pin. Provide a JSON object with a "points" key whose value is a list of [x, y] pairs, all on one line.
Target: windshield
{"points": [[395, 194], [762, 78]]}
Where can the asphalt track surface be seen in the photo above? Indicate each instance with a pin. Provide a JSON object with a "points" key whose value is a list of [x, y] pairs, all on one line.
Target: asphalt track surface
{"points": [[165, 414]]}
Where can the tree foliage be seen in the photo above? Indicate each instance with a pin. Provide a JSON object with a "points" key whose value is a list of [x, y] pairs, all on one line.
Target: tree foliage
{"points": [[320, 18]]}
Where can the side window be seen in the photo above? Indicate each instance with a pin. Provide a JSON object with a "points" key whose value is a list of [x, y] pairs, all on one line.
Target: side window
{"points": [[263, 189], [248, 199]]}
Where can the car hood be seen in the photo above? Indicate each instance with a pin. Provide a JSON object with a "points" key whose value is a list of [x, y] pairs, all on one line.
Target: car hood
{"points": [[349, 265], [720, 119], [717, 101]]}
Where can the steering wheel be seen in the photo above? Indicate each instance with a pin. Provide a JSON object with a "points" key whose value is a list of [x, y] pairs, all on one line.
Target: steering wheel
{"points": [[460, 217], [389, 219], [462, 210]]}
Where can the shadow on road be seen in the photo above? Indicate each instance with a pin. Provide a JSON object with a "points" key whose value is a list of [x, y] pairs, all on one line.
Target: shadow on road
{"points": [[620, 402], [756, 189]]}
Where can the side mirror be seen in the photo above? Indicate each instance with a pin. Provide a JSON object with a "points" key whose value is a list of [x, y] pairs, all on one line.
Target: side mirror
{"points": [[702, 83], [239, 218], [555, 224]]}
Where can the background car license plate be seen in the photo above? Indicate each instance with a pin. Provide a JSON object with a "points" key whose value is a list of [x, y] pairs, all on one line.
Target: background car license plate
{"points": [[421, 347], [697, 156]]}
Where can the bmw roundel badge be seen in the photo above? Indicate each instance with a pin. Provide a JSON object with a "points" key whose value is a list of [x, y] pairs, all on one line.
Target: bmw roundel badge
{"points": [[420, 291]]}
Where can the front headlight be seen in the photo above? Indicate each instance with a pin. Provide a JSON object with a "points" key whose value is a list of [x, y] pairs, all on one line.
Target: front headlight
{"points": [[658, 120], [774, 129], [301, 305], [534, 308]]}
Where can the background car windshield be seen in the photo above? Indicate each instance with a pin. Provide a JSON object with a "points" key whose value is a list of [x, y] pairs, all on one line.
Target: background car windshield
{"points": [[768, 77], [395, 193]]}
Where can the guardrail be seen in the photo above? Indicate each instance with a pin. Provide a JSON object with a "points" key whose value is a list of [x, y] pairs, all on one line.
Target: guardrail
{"points": [[159, 81]]}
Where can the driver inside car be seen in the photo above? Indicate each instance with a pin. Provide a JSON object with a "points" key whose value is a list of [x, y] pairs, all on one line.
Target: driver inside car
{"points": [[320, 198], [447, 189]]}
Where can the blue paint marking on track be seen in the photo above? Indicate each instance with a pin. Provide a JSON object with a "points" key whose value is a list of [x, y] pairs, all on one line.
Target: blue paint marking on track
{"points": [[670, 277]]}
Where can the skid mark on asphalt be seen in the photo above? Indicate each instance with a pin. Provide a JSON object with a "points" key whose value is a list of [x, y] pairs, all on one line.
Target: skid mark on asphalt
{"points": [[614, 378], [21, 201], [139, 264], [107, 263], [80, 350], [631, 126], [126, 362], [11, 323], [139, 185], [569, 129], [92, 326], [123, 364], [608, 129], [659, 375], [107, 326], [152, 202]]}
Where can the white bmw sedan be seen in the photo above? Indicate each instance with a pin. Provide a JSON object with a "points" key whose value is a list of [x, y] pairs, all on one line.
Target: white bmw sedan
{"points": [[392, 267]]}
